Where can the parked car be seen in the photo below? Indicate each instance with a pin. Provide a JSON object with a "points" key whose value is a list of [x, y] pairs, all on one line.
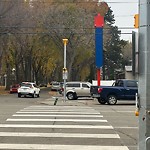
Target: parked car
{"points": [[122, 89], [55, 86], [77, 89], [28, 88], [14, 88]]}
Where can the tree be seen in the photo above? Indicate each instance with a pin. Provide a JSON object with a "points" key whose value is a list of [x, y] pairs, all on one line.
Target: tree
{"points": [[113, 56]]}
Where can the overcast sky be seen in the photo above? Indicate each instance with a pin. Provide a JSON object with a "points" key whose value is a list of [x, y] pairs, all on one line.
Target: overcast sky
{"points": [[124, 12]]}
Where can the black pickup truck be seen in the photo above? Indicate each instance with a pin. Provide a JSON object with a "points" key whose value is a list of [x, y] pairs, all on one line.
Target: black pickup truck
{"points": [[122, 89]]}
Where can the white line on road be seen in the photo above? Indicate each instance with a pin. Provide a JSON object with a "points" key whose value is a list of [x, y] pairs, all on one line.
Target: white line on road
{"points": [[86, 116], [61, 112], [68, 120], [58, 110], [118, 111], [78, 107], [60, 147], [55, 126], [126, 127], [76, 135]]}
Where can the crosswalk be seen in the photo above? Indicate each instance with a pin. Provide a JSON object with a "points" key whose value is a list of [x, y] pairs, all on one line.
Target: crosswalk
{"points": [[58, 128]]}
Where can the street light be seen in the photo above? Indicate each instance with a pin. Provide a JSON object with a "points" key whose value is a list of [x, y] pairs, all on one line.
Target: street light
{"points": [[65, 41], [5, 77]]}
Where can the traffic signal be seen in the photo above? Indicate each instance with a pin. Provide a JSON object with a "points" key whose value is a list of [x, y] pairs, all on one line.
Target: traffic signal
{"points": [[136, 21], [64, 69]]}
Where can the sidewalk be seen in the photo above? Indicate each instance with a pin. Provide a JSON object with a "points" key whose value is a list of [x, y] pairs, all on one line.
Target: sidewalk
{"points": [[59, 101]]}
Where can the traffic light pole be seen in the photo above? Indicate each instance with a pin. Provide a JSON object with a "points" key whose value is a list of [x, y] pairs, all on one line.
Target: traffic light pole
{"points": [[144, 75], [65, 70]]}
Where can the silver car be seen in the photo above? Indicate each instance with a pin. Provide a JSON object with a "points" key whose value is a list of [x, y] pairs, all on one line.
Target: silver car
{"points": [[55, 86], [77, 89]]}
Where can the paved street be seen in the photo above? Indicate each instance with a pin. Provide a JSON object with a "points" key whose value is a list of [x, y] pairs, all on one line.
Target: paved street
{"points": [[27, 123]]}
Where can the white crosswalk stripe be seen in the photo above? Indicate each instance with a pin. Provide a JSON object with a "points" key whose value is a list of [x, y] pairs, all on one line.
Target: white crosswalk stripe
{"points": [[38, 127]]}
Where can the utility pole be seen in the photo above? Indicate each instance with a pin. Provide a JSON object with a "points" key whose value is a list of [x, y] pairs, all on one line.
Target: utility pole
{"points": [[144, 75]]}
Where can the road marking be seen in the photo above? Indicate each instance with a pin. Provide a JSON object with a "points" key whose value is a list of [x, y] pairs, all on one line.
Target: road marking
{"points": [[86, 116], [48, 112], [125, 127], [75, 135], [55, 126], [119, 111], [57, 106], [61, 147], [57, 110], [68, 120]]}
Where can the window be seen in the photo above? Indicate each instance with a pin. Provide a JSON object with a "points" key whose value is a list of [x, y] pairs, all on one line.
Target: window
{"points": [[73, 85], [120, 83], [131, 84], [85, 85]]}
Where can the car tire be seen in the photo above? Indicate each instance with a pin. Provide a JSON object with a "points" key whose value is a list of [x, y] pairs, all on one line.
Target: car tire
{"points": [[112, 100], [33, 95], [38, 95], [101, 101], [71, 95], [19, 95]]}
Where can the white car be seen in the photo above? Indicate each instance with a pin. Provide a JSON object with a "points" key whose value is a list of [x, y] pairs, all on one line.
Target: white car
{"points": [[28, 88]]}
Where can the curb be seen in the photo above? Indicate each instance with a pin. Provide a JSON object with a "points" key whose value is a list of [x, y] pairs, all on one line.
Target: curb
{"points": [[58, 101]]}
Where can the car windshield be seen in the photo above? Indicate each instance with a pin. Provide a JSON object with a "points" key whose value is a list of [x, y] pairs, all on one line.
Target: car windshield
{"points": [[56, 84], [26, 84]]}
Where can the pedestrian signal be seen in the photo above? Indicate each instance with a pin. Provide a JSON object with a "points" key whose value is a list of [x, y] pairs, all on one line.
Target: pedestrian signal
{"points": [[64, 69]]}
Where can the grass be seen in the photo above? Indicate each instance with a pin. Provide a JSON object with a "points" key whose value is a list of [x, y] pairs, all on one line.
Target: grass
{"points": [[3, 91]]}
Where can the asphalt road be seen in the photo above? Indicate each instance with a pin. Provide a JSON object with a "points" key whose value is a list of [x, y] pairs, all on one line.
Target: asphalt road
{"points": [[36, 123]]}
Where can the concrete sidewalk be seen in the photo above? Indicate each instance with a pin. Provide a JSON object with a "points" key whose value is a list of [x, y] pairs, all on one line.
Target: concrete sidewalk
{"points": [[59, 101]]}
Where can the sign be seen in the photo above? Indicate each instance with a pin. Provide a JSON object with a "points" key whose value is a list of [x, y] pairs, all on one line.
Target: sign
{"points": [[65, 75], [99, 47], [99, 21]]}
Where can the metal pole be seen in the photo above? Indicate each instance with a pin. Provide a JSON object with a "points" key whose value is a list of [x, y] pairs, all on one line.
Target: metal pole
{"points": [[5, 76], [144, 75], [64, 67], [98, 76], [65, 70]]}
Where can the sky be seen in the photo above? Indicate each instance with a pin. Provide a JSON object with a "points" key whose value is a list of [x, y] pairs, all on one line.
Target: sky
{"points": [[124, 11]]}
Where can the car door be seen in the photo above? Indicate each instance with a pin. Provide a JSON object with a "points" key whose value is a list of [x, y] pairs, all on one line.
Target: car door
{"points": [[73, 87], [131, 90], [85, 89]]}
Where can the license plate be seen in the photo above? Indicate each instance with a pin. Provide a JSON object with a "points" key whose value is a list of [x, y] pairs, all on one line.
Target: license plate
{"points": [[96, 95]]}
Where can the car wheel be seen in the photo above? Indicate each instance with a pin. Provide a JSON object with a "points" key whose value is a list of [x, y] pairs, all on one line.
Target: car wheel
{"points": [[19, 95], [112, 100], [71, 96], [38, 95], [101, 101], [33, 95]]}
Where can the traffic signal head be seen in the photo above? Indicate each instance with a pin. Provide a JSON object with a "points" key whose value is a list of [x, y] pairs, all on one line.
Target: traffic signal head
{"points": [[64, 69], [136, 21]]}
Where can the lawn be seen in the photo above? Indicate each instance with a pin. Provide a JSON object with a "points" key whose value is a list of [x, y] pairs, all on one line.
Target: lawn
{"points": [[3, 91]]}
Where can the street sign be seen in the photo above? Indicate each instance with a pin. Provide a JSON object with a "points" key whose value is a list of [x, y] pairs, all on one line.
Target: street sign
{"points": [[65, 75]]}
